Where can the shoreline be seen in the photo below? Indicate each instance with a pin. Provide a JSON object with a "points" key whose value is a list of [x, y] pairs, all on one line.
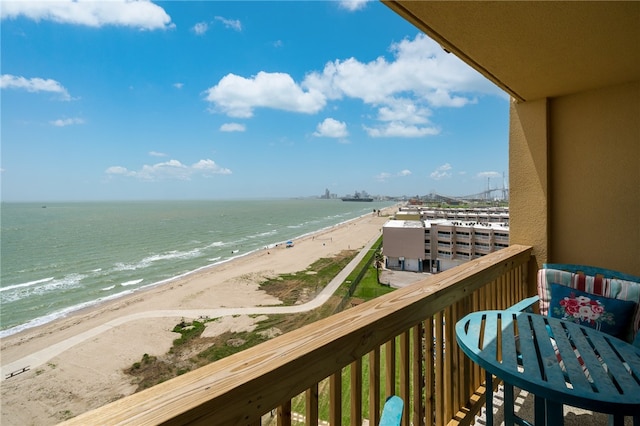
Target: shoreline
{"points": [[81, 307], [90, 372]]}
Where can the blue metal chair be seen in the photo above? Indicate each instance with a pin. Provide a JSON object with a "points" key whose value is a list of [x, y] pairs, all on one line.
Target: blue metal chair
{"points": [[392, 411]]}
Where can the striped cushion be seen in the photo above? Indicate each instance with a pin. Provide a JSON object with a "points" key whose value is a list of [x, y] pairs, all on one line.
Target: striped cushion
{"points": [[618, 287]]}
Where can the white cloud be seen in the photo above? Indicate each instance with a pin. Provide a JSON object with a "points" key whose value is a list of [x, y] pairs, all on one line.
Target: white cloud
{"points": [[384, 176], [238, 96], [404, 110], [141, 14], [353, 5], [170, 170], [404, 90], [178, 85], [211, 167], [157, 154], [234, 24], [331, 128], [117, 170], [421, 69], [398, 129], [420, 77], [200, 28], [484, 175], [66, 122], [443, 98], [442, 172], [34, 85], [233, 127]]}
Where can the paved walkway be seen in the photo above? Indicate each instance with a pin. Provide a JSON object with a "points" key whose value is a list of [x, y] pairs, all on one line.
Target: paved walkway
{"points": [[399, 279], [41, 357]]}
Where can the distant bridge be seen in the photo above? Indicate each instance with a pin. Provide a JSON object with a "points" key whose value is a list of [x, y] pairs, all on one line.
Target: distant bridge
{"points": [[488, 195]]}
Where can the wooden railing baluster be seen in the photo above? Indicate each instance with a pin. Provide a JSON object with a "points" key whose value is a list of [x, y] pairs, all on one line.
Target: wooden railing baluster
{"points": [[405, 365], [449, 367], [335, 398], [311, 405], [440, 373], [356, 392], [390, 368], [429, 372], [374, 386], [284, 414], [417, 380]]}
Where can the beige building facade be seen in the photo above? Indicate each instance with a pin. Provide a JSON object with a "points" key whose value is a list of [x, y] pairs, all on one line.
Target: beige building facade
{"points": [[434, 245]]}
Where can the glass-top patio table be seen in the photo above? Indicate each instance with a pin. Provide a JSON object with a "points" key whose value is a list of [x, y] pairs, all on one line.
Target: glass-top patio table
{"points": [[560, 362]]}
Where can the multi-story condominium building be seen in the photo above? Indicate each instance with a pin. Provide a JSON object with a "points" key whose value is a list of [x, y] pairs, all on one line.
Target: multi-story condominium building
{"points": [[437, 244], [489, 214]]}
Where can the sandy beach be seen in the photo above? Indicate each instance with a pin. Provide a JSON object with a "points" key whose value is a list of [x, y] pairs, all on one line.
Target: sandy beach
{"points": [[76, 364]]}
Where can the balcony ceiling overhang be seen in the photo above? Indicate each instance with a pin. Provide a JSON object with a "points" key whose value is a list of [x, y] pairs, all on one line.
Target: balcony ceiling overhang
{"points": [[539, 49]]}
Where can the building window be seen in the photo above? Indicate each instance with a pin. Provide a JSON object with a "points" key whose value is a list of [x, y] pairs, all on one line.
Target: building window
{"points": [[444, 254], [462, 255]]}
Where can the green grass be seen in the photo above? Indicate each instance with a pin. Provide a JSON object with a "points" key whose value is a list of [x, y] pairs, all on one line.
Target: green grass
{"points": [[188, 331], [369, 288], [244, 341], [289, 287]]}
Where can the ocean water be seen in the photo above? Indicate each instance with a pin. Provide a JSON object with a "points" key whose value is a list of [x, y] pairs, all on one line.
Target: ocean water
{"points": [[62, 257]]}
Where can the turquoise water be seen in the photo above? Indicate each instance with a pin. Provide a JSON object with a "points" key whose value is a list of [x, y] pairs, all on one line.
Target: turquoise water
{"points": [[65, 256]]}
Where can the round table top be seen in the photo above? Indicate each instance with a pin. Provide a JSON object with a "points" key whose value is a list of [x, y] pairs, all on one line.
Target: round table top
{"points": [[555, 359]]}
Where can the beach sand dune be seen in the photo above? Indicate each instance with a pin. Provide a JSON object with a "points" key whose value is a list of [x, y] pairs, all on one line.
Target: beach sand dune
{"points": [[89, 372]]}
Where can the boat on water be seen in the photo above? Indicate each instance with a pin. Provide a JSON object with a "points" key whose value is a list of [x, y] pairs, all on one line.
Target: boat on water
{"points": [[358, 196]]}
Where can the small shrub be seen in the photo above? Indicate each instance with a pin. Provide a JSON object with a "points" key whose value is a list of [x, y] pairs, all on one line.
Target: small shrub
{"points": [[188, 331]]}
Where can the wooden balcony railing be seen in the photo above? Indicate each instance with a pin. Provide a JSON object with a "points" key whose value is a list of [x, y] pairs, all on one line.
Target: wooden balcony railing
{"points": [[405, 339]]}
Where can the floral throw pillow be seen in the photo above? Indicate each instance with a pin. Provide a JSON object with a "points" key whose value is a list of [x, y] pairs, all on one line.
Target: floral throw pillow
{"points": [[611, 316]]}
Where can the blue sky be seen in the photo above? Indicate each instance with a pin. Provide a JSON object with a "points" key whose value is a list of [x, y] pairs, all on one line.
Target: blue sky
{"points": [[134, 100]]}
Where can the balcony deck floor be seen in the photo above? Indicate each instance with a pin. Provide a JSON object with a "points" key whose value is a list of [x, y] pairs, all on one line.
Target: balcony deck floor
{"points": [[524, 408]]}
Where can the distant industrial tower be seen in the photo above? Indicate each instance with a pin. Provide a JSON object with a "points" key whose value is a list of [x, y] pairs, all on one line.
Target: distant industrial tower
{"points": [[505, 188]]}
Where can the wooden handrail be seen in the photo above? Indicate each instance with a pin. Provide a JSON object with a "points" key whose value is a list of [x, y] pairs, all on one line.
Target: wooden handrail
{"points": [[241, 388]]}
